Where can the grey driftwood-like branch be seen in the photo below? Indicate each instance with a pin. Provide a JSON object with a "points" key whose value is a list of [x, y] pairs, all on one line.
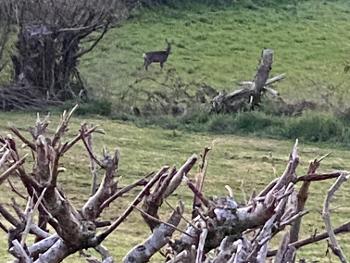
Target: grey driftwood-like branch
{"points": [[221, 229], [327, 220], [249, 95]]}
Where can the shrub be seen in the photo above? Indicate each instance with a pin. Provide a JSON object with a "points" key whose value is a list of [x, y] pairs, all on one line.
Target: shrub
{"points": [[220, 123], [315, 127], [310, 126], [255, 122], [95, 106]]}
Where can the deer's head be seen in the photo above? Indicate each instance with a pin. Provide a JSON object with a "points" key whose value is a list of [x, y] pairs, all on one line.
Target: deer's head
{"points": [[168, 48]]}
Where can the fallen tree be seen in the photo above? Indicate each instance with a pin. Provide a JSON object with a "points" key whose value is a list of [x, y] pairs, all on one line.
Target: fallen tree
{"points": [[221, 230], [249, 96]]}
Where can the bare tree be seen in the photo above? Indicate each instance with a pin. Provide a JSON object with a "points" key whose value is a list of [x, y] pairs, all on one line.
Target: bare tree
{"points": [[221, 230], [53, 36]]}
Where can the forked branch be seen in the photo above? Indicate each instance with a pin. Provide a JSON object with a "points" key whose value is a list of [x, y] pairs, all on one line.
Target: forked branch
{"points": [[235, 232]]}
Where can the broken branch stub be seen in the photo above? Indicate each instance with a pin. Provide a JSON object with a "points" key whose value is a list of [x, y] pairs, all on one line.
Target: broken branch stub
{"points": [[248, 97]]}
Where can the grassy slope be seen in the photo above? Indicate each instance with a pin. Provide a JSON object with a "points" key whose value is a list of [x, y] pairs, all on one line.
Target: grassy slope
{"points": [[219, 47], [233, 160], [223, 46]]}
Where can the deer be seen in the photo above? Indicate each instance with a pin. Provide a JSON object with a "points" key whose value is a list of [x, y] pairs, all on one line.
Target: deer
{"points": [[157, 56]]}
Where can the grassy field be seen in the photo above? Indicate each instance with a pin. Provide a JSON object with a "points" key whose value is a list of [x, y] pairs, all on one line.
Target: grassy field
{"points": [[221, 46], [218, 46], [246, 162]]}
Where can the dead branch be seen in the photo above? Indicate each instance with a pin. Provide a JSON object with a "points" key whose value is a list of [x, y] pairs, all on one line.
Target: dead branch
{"points": [[18, 251], [13, 189], [91, 209], [201, 243], [165, 187], [326, 217], [93, 159], [237, 232], [136, 201], [124, 190], [286, 253], [159, 238], [199, 180], [29, 216], [10, 170], [344, 228], [248, 97]]}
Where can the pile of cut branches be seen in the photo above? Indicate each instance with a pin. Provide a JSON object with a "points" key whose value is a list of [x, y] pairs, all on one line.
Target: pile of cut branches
{"points": [[23, 97], [172, 95], [220, 230]]}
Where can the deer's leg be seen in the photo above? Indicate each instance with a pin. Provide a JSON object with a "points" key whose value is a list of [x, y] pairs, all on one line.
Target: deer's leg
{"points": [[146, 64], [161, 65]]}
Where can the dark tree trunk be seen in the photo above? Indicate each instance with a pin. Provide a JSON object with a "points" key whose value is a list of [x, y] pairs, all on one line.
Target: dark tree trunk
{"points": [[47, 60]]}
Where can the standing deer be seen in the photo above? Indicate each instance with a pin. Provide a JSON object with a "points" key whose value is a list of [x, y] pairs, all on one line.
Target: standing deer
{"points": [[157, 56]]}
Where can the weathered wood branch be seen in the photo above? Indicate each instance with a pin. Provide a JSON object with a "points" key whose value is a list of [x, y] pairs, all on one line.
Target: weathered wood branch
{"points": [[238, 232], [327, 220], [159, 238], [165, 187], [10, 170], [250, 95], [199, 180], [91, 209], [344, 228], [124, 190], [286, 253], [262, 75], [18, 251], [302, 198], [136, 201]]}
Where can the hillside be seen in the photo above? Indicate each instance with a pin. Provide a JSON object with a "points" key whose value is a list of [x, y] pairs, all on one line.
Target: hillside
{"points": [[235, 161], [221, 46]]}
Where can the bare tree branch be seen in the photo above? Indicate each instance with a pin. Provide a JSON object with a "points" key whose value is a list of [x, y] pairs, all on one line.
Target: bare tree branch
{"points": [[10, 170], [136, 201], [237, 232], [326, 217], [159, 238]]}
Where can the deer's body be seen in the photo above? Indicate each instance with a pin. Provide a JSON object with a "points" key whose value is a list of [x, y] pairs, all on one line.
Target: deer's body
{"points": [[156, 57]]}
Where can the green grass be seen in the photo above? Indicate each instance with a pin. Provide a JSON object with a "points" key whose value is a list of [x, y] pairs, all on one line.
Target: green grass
{"points": [[221, 46], [311, 126], [233, 161]]}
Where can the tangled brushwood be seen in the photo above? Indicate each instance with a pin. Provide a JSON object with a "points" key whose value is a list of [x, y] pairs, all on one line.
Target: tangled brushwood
{"points": [[220, 229], [52, 37]]}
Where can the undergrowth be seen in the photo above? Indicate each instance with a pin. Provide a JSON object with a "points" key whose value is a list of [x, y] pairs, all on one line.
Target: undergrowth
{"points": [[311, 126]]}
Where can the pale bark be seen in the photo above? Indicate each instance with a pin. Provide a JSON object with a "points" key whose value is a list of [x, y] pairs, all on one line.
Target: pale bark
{"points": [[249, 97], [238, 233], [327, 220]]}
